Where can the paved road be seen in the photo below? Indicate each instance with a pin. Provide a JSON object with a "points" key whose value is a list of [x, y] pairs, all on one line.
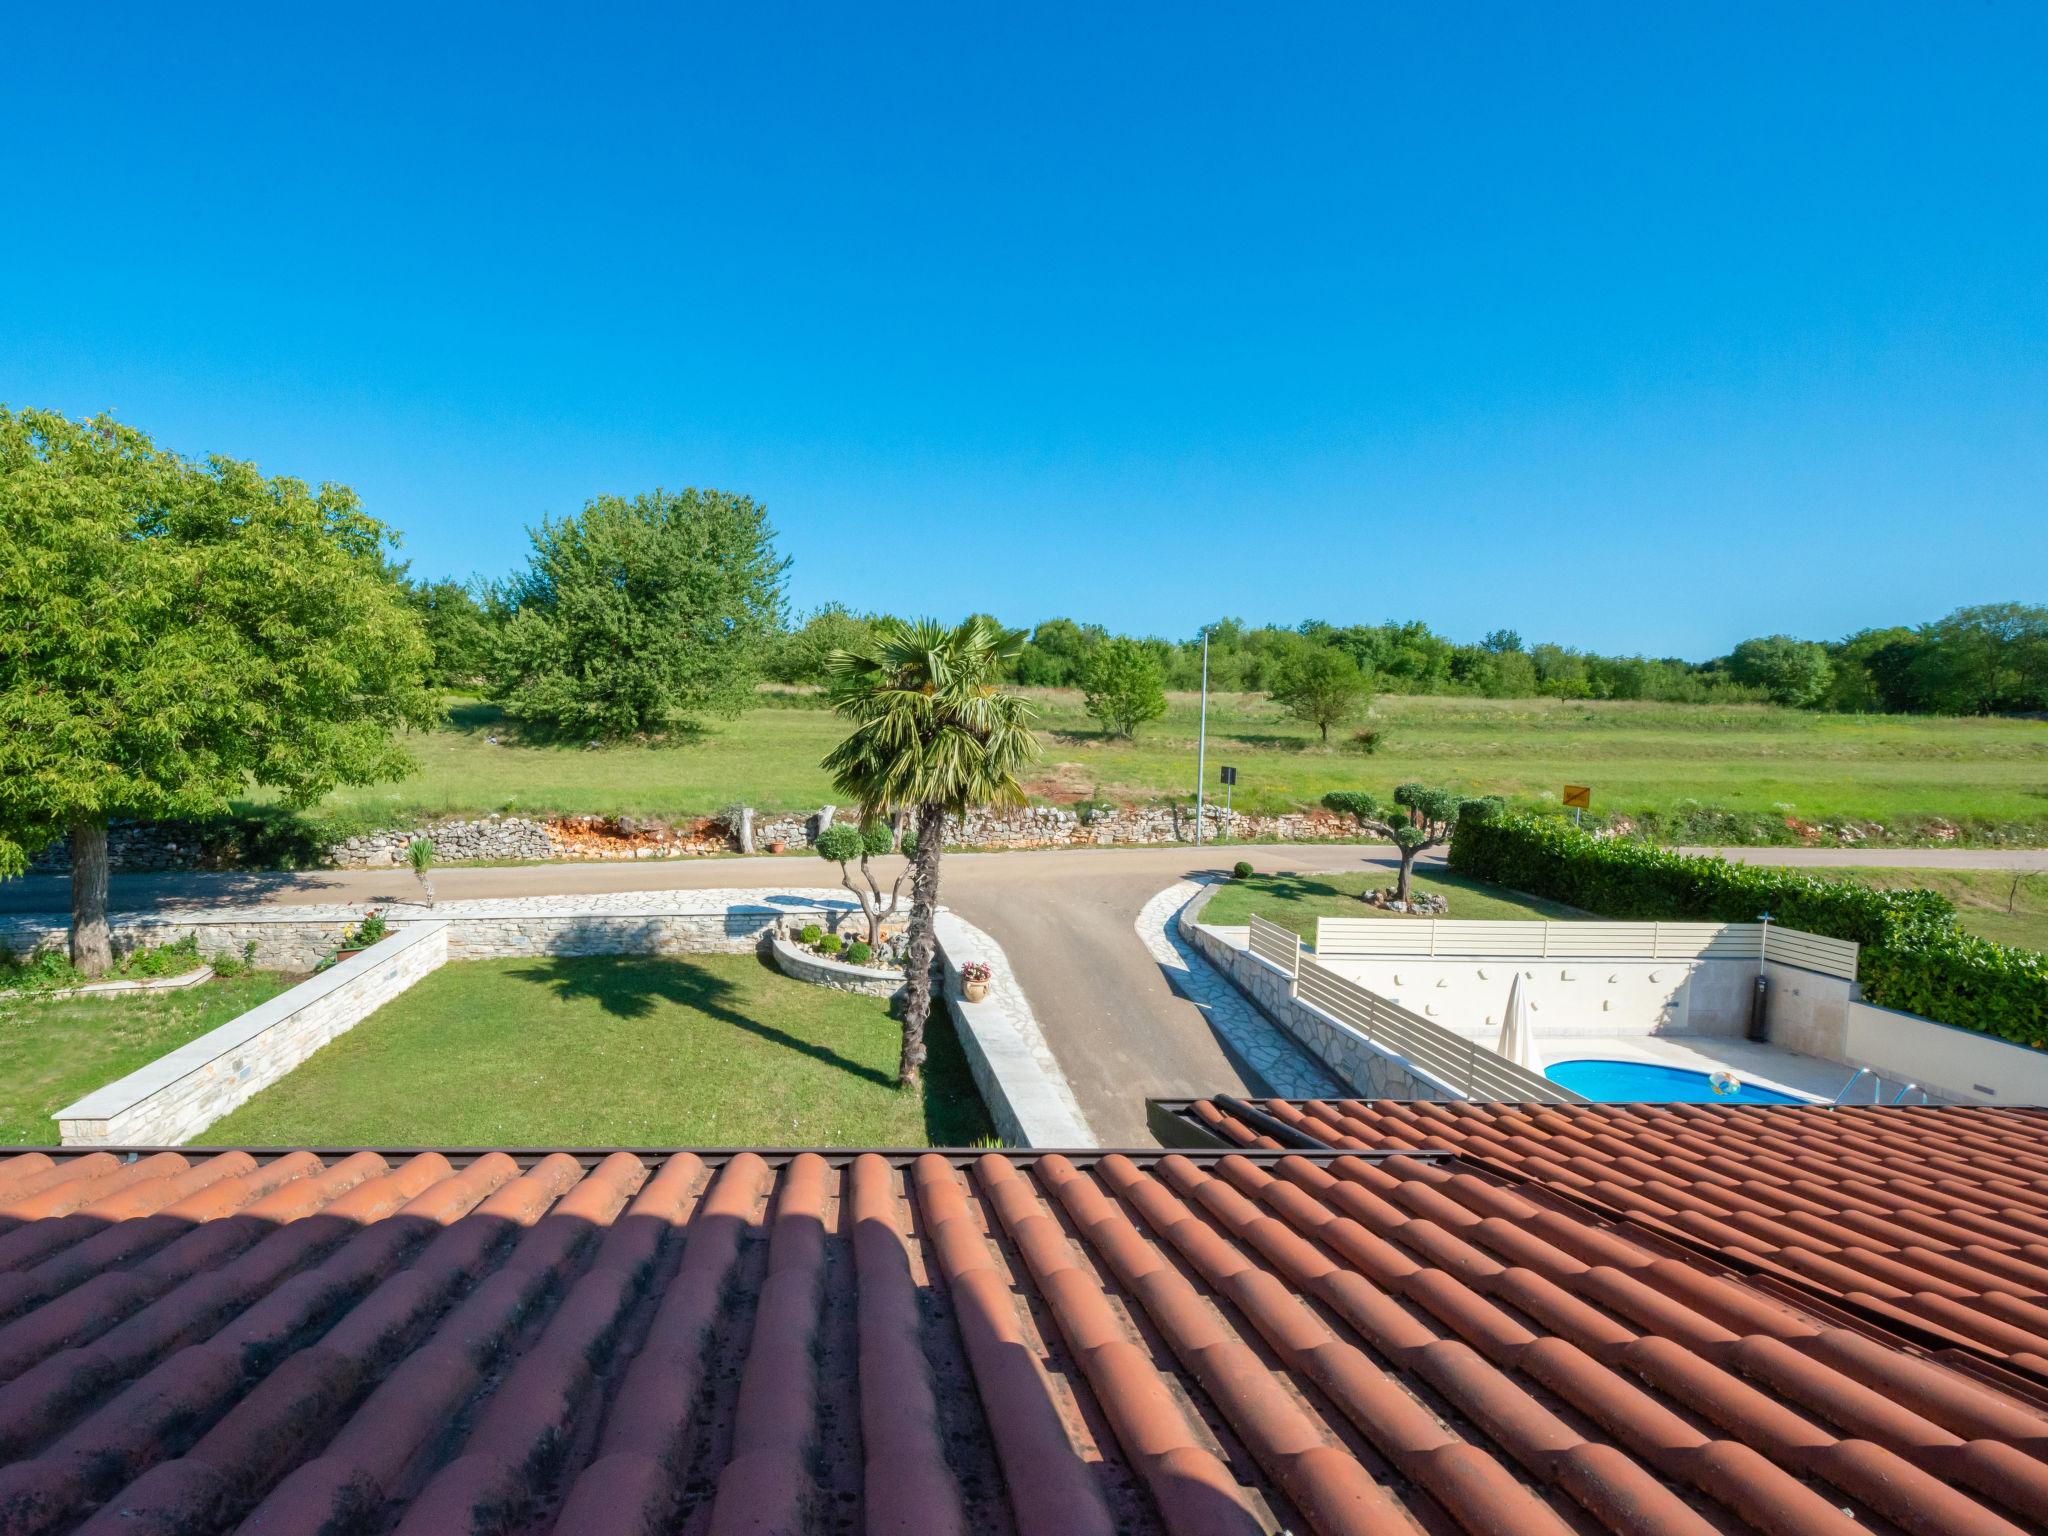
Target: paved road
{"points": [[1064, 917]]}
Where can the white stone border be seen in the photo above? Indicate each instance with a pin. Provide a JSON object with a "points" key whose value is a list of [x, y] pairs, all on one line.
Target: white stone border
{"points": [[125, 985], [1027, 1094], [181, 1093], [800, 964]]}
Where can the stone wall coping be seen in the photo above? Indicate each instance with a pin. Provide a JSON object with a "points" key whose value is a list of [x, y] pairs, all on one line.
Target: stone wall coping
{"points": [[110, 1100], [131, 984]]}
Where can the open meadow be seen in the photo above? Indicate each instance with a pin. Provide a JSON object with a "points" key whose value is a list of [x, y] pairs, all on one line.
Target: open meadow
{"points": [[1677, 764]]}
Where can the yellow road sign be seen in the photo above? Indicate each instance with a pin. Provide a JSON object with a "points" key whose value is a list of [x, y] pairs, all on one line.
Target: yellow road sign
{"points": [[1578, 796]]}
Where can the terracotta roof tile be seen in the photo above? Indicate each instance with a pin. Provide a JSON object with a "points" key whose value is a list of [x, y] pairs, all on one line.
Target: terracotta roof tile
{"points": [[929, 1344], [1931, 1220]]}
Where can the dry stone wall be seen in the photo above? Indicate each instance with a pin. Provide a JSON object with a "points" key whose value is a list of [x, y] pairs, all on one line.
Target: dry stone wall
{"points": [[527, 839]]}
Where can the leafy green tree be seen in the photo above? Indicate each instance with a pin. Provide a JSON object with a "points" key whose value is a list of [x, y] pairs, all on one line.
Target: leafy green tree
{"points": [[1420, 818], [1873, 671], [1057, 654], [1983, 659], [457, 627], [1320, 685], [1792, 672], [171, 632], [844, 844], [935, 733], [632, 613], [801, 654], [1125, 686]]}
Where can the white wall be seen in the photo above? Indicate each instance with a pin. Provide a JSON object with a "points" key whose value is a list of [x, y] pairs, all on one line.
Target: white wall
{"points": [[1569, 997], [1953, 1063]]}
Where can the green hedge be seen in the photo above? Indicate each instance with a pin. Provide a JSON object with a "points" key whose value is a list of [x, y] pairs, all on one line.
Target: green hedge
{"points": [[1915, 956]]}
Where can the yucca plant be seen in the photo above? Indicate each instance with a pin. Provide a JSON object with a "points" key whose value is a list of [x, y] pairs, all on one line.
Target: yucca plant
{"points": [[935, 734], [419, 854]]}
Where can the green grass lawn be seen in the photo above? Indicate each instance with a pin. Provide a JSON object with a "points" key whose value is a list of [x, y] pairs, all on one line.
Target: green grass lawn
{"points": [[1982, 897], [1296, 901], [715, 1050], [1637, 757], [55, 1050]]}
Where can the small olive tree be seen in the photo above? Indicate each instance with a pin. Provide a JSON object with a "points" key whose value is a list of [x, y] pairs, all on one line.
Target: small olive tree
{"points": [[1420, 818], [844, 844]]}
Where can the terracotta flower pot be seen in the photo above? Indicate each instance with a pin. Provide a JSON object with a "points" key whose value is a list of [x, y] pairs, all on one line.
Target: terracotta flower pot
{"points": [[975, 991], [777, 846]]}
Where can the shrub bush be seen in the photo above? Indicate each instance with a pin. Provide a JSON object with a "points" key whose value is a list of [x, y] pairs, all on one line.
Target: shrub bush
{"points": [[810, 933], [369, 931], [173, 959], [1369, 740], [1915, 957], [859, 953], [1241, 870], [829, 944], [1626, 879]]}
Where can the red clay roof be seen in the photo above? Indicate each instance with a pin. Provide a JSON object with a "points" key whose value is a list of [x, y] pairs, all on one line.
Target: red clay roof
{"points": [[1932, 1219], [924, 1344]]}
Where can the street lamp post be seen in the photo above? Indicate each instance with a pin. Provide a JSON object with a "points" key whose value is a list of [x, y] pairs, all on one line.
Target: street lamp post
{"points": [[1202, 741]]}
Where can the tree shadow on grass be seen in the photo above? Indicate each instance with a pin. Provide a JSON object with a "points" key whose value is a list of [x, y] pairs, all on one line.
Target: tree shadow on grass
{"points": [[631, 986]]}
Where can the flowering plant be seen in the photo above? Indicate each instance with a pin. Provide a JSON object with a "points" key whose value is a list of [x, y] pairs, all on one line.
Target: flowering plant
{"points": [[976, 970]]}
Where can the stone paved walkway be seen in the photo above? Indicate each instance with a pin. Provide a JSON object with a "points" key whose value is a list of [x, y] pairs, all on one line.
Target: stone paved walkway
{"points": [[1289, 1071]]}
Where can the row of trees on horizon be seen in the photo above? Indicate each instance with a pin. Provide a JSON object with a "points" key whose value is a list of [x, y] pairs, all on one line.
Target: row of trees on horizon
{"points": [[1985, 659]]}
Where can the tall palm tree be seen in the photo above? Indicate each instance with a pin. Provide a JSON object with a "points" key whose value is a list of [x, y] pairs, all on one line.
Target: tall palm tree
{"points": [[934, 735]]}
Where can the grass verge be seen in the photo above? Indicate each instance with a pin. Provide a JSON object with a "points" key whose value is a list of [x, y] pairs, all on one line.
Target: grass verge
{"points": [[55, 1050], [713, 1050], [1296, 901]]}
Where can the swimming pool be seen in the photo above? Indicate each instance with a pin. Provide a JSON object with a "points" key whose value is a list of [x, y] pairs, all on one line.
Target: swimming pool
{"points": [[1642, 1082]]}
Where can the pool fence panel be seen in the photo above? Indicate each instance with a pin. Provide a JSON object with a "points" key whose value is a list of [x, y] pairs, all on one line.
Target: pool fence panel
{"points": [[1276, 945], [1372, 938]]}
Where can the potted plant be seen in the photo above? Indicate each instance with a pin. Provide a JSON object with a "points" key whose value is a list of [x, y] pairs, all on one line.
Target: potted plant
{"points": [[975, 976], [776, 845]]}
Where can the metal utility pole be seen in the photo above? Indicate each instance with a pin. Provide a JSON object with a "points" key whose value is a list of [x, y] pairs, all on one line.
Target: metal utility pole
{"points": [[1202, 741]]}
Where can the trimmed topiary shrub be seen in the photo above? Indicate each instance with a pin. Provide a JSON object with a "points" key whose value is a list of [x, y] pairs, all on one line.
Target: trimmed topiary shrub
{"points": [[859, 953], [829, 944], [1241, 870], [1915, 956], [810, 933]]}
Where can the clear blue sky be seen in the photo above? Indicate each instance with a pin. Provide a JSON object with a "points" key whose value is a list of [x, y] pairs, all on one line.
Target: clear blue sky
{"points": [[1633, 327]]}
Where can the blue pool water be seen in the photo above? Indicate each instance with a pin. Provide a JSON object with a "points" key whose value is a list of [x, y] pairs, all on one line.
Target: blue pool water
{"points": [[1636, 1082]]}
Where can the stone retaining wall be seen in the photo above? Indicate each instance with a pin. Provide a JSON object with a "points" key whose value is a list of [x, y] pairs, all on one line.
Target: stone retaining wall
{"points": [[298, 938], [526, 839], [179, 1095]]}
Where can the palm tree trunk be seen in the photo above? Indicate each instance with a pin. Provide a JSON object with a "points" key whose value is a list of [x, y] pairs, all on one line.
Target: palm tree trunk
{"points": [[92, 945], [924, 902]]}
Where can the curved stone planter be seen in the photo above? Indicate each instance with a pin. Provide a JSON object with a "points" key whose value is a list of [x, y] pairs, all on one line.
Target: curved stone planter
{"points": [[837, 974]]}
